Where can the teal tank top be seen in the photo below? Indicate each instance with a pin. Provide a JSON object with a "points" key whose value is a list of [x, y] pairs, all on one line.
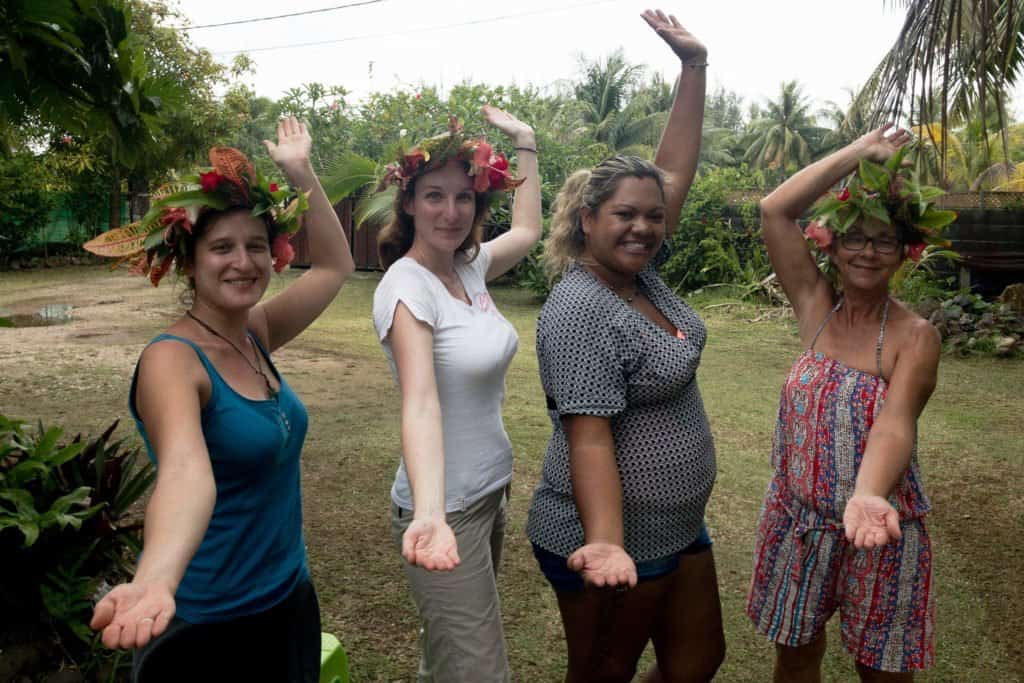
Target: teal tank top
{"points": [[253, 553]]}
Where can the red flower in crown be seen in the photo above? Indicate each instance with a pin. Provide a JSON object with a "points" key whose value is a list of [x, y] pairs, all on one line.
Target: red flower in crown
{"points": [[273, 187], [282, 251], [497, 171], [915, 250], [819, 234], [210, 181], [844, 194]]}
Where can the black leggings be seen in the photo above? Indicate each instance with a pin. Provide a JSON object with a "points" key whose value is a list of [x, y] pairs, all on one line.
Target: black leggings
{"points": [[280, 644]]}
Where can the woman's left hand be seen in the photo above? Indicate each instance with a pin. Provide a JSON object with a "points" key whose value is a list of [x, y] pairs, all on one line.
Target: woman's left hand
{"points": [[871, 521], [683, 43], [291, 153], [517, 131]]}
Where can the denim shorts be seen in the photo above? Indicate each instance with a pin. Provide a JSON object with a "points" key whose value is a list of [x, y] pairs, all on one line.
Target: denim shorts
{"points": [[562, 578]]}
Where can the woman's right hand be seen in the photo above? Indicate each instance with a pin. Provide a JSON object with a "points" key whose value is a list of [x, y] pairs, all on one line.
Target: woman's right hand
{"points": [[604, 564], [878, 147], [683, 43], [430, 543], [132, 614]]}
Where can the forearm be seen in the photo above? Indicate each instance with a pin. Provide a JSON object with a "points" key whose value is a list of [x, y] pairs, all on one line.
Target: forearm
{"points": [[423, 454], [886, 458], [791, 199], [597, 491], [526, 208], [177, 516], [679, 148], [328, 247]]}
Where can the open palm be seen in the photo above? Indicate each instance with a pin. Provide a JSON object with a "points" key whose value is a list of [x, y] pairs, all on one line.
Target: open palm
{"points": [[604, 564], [430, 543], [871, 521], [516, 130], [881, 144], [293, 144], [682, 42]]}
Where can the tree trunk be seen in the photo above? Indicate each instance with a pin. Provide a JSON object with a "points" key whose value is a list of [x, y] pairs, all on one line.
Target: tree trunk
{"points": [[114, 217], [138, 196]]}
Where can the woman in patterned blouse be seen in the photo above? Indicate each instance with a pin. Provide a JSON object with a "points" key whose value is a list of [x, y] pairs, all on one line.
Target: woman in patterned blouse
{"points": [[617, 519]]}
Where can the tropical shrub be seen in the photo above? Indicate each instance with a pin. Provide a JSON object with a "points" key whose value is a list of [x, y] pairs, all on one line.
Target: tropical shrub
{"points": [[718, 242], [66, 531], [25, 203]]}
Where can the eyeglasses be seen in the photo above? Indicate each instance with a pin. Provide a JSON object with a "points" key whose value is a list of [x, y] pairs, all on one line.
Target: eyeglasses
{"points": [[882, 244]]}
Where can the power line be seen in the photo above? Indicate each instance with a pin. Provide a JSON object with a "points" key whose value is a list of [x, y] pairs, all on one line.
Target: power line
{"points": [[418, 30], [281, 16]]}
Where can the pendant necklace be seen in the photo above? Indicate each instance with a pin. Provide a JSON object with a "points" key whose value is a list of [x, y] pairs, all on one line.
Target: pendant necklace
{"points": [[255, 367]]}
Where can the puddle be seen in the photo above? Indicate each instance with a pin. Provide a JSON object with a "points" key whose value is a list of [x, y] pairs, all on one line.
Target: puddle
{"points": [[50, 314]]}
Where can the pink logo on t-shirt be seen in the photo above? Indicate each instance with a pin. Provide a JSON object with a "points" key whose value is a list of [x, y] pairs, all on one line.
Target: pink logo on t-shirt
{"points": [[483, 301]]}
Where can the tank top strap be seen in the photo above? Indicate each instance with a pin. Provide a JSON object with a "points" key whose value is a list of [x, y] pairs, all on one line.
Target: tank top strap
{"points": [[824, 322], [881, 336], [207, 363]]}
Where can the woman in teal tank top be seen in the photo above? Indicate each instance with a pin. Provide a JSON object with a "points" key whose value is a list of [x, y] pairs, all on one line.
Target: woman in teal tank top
{"points": [[222, 582]]}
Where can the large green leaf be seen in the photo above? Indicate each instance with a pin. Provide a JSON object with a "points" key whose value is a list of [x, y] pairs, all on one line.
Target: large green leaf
{"points": [[377, 209], [347, 175]]}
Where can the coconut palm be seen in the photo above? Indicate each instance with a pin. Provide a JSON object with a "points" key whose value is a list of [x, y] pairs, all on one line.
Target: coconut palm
{"points": [[783, 138], [966, 50]]}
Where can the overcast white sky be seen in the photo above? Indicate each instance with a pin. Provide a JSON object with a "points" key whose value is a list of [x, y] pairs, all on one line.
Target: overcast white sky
{"points": [[753, 45]]}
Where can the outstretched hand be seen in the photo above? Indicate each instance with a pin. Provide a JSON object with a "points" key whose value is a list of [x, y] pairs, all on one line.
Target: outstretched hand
{"points": [[604, 564], [871, 521], [883, 142], [517, 131], [293, 145], [683, 43], [430, 543], [133, 613]]}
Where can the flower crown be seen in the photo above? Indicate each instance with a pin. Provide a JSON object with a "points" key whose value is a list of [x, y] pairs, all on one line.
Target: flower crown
{"points": [[156, 242], [888, 193], [488, 169]]}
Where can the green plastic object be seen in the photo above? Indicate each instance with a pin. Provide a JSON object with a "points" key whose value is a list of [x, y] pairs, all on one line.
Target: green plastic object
{"points": [[333, 660]]}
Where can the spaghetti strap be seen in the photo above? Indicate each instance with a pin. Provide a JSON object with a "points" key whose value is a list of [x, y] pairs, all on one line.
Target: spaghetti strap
{"points": [[881, 337], [824, 322]]}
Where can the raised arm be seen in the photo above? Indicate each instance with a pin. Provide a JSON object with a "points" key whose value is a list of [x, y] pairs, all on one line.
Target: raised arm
{"points": [[597, 490], [679, 148], [282, 318], [428, 541], [181, 505], [798, 274], [526, 229], [869, 519]]}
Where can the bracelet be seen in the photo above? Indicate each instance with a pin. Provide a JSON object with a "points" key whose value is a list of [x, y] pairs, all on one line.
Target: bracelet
{"points": [[696, 65], [526, 149]]}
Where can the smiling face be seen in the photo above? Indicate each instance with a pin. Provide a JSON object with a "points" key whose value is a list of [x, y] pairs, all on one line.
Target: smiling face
{"points": [[443, 208], [231, 263], [626, 230], [868, 255]]}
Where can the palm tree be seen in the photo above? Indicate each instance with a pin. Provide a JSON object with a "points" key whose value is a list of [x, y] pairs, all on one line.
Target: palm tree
{"points": [[970, 50], [782, 138], [606, 87]]}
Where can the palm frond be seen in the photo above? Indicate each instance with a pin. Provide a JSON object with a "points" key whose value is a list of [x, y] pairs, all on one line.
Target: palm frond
{"points": [[377, 210], [348, 174]]}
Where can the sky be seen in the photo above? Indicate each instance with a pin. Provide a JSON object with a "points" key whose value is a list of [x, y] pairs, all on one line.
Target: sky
{"points": [[382, 45]]}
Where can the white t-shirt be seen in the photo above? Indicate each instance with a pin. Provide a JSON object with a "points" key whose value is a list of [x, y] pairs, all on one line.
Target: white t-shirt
{"points": [[473, 346]]}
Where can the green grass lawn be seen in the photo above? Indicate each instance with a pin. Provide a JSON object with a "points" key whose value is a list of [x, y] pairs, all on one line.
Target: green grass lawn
{"points": [[971, 451]]}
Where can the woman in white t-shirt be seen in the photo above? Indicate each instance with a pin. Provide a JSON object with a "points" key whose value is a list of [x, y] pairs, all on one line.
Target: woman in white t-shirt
{"points": [[449, 348]]}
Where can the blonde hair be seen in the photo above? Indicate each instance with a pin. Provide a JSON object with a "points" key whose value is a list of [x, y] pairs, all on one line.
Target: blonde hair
{"points": [[591, 189], [395, 239]]}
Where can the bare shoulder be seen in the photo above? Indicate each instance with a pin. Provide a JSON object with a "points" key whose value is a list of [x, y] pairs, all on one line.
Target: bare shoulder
{"points": [[168, 362], [914, 332]]}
